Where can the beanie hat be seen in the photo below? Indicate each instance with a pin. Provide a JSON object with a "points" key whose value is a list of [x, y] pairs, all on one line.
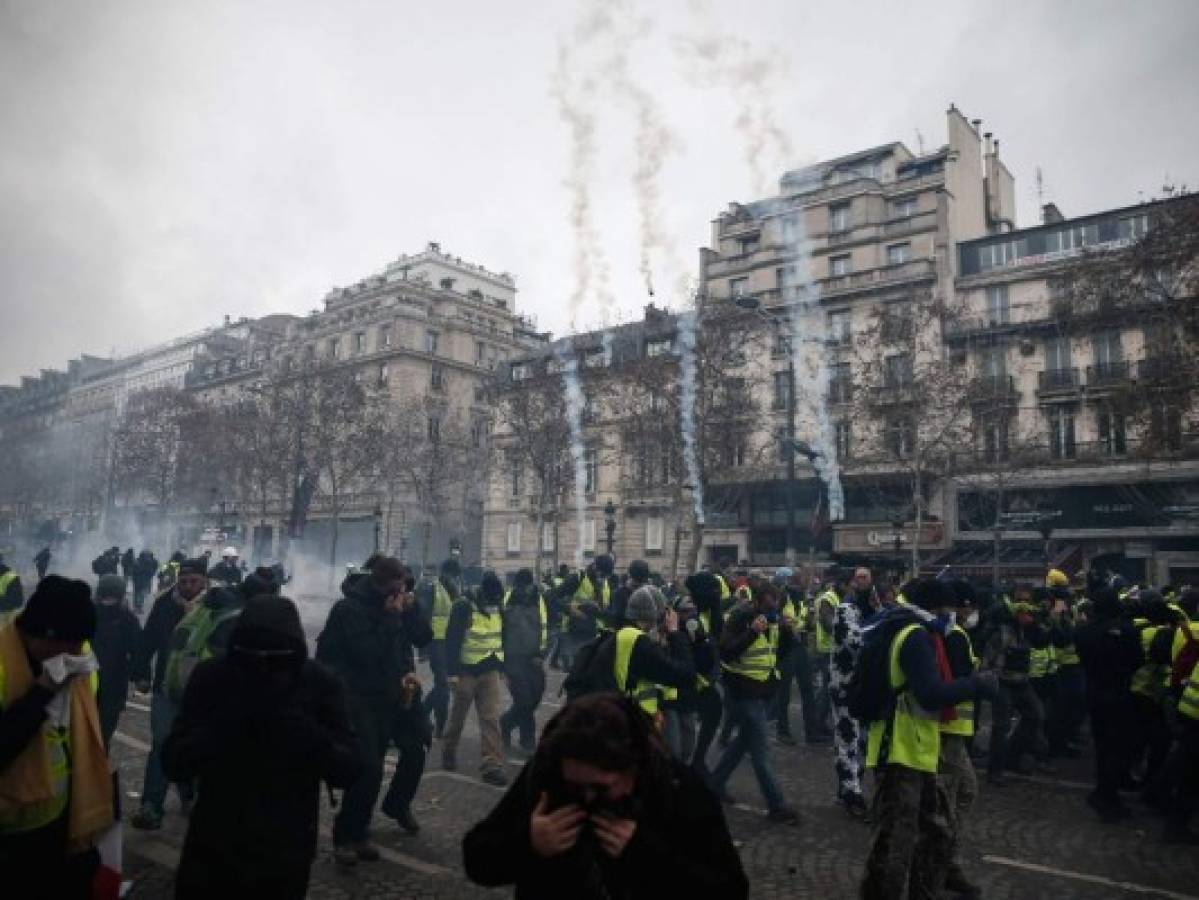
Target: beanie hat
{"points": [[111, 587], [197, 566], [639, 570], [491, 589], [1057, 578], [644, 605], [929, 594], [60, 609], [704, 587], [523, 579]]}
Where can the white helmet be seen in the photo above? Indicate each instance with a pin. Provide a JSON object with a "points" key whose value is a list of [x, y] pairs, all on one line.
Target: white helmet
{"points": [[229, 551]]}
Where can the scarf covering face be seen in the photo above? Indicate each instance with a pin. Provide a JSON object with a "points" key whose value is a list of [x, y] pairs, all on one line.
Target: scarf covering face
{"points": [[28, 780]]}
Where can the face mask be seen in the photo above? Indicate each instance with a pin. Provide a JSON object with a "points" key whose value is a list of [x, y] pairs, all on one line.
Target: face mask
{"points": [[972, 619]]}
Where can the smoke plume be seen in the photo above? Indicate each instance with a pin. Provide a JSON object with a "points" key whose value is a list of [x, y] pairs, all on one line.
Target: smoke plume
{"points": [[690, 389]]}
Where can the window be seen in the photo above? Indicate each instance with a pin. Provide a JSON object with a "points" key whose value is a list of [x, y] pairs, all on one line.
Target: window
{"points": [[784, 276], [588, 414], [431, 339], [734, 454], [838, 217], [383, 373], [1165, 426], [436, 377], [839, 327], [659, 347], [899, 253], [516, 472], [595, 359], [1108, 353], [839, 265], [994, 439], [782, 344], [478, 433], [434, 428], [901, 437], [334, 348], [385, 338], [480, 353], [657, 402], [897, 322], [1061, 432], [588, 536], [514, 537], [844, 437], [285, 364], [357, 377], [1057, 354], [840, 383], [998, 308], [992, 364], [655, 528], [738, 287], [898, 370], [782, 390], [1133, 227], [360, 342], [903, 208], [520, 371], [590, 470], [547, 537], [1111, 433], [748, 244]]}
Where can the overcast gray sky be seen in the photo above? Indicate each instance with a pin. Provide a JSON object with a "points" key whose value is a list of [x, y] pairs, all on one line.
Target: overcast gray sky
{"points": [[163, 163]]}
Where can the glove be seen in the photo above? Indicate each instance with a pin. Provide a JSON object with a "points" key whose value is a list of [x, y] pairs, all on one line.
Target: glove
{"points": [[986, 685]]}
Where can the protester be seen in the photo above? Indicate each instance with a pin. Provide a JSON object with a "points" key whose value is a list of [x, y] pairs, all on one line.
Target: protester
{"points": [[603, 811], [850, 616], [144, 569], [258, 730], [116, 644], [436, 597], [525, 636], [42, 562], [54, 780]]}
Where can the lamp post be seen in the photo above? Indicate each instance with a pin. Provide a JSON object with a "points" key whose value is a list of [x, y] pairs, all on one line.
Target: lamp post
{"points": [[1046, 529], [610, 525], [897, 524], [378, 512]]}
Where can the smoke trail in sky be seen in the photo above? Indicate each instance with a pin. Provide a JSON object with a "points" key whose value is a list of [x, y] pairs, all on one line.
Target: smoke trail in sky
{"points": [[809, 354], [568, 361], [690, 388]]}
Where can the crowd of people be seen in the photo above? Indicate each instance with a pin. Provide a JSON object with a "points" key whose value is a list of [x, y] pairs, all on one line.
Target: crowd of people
{"points": [[669, 686]]}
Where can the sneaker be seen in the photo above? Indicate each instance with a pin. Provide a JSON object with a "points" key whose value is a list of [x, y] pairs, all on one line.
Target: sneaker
{"points": [[495, 777], [449, 762], [402, 814], [783, 815], [956, 882], [146, 819], [366, 851], [786, 739], [344, 855]]}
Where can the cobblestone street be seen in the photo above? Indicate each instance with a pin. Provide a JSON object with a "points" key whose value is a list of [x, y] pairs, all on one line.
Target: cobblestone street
{"points": [[1034, 838]]}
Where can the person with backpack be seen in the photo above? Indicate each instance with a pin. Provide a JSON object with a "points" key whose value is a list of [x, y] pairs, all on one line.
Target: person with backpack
{"points": [[436, 597], [590, 595], [904, 687], [168, 611], [525, 635], [849, 741], [1110, 650], [750, 644], [475, 664], [1008, 654]]}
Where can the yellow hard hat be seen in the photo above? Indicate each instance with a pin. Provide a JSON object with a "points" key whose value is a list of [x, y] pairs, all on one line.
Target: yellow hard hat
{"points": [[1057, 578]]}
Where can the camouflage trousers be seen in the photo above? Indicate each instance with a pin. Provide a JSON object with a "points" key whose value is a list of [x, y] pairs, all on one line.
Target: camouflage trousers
{"points": [[957, 780], [912, 838]]}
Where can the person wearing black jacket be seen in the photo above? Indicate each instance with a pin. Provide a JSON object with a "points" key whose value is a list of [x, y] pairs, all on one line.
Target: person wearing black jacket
{"points": [[523, 653], [117, 640], [704, 590], [259, 729], [368, 640], [474, 652], [602, 811], [1110, 650], [167, 612], [753, 639], [639, 575], [144, 569], [42, 562]]}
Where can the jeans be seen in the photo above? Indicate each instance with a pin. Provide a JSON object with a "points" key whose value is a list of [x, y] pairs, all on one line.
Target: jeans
{"points": [[957, 780], [438, 700], [483, 692], [708, 707], [372, 719], [1014, 697], [526, 684], [797, 665], [154, 787], [749, 717], [410, 734], [1070, 708], [1113, 722], [678, 730]]}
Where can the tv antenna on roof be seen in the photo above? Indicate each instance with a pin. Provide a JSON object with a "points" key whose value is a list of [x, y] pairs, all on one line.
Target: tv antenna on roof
{"points": [[919, 142], [1040, 187]]}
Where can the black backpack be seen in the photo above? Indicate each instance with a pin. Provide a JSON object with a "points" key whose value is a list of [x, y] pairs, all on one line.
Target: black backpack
{"points": [[869, 695], [593, 669]]}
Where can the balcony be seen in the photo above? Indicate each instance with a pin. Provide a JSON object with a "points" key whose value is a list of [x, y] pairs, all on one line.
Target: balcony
{"points": [[840, 391], [917, 222], [893, 393], [1057, 382], [912, 270], [1108, 376], [993, 389]]}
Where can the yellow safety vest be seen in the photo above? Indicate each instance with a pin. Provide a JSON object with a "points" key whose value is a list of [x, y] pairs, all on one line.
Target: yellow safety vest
{"points": [[484, 638], [58, 742], [1040, 662], [824, 636], [964, 724], [1147, 680], [442, 604], [5, 580], [759, 659], [1067, 656], [915, 731], [1188, 704], [646, 693]]}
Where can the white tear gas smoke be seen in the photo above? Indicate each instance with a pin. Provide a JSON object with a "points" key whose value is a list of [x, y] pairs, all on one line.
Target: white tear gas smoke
{"points": [[714, 59], [689, 383], [569, 363], [606, 341], [809, 355]]}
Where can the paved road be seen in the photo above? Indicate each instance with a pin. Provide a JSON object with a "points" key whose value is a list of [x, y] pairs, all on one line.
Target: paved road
{"points": [[1035, 838]]}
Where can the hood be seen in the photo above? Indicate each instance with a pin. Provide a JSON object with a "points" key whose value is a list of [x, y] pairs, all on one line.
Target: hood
{"points": [[359, 587], [270, 623], [524, 595]]}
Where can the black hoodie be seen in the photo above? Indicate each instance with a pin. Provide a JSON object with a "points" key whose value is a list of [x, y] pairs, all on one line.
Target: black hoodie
{"points": [[522, 621], [260, 729]]}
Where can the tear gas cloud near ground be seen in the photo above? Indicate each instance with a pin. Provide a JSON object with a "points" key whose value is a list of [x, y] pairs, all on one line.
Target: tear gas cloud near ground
{"points": [[165, 164]]}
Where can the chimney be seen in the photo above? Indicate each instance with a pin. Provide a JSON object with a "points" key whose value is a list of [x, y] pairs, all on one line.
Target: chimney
{"points": [[434, 247], [1051, 215]]}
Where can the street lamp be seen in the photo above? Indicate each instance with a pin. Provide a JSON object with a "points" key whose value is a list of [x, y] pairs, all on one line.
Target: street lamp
{"points": [[610, 525], [1046, 529]]}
